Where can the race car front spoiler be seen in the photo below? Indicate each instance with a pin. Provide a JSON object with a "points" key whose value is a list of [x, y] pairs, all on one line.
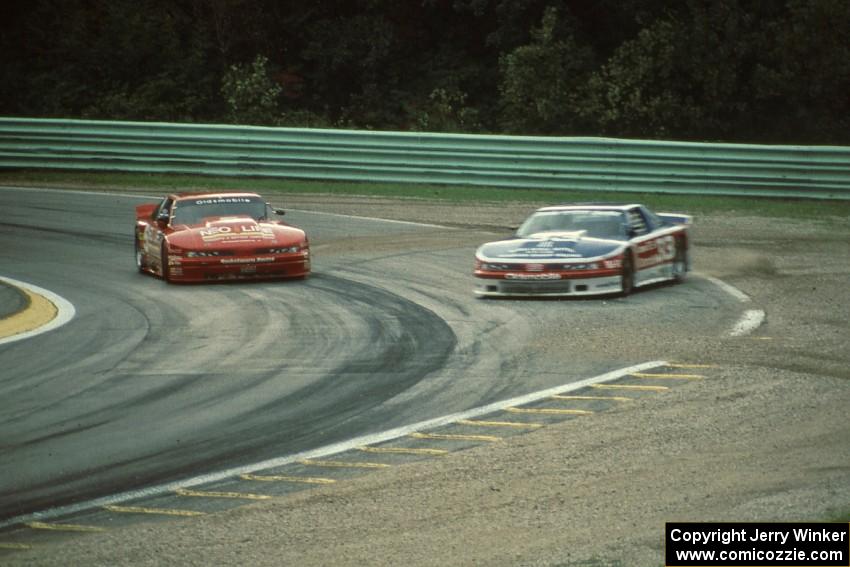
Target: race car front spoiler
{"points": [[493, 287]]}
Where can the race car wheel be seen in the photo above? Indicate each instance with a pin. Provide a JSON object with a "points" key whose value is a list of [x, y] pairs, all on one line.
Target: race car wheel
{"points": [[680, 262], [166, 273], [627, 276]]}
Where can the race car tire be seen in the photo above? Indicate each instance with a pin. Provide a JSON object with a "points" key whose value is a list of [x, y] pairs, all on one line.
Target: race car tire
{"points": [[166, 272], [627, 276], [140, 258], [680, 262]]}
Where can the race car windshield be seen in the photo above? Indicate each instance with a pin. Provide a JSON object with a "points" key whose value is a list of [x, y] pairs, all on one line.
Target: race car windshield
{"points": [[596, 224], [194, 211]]}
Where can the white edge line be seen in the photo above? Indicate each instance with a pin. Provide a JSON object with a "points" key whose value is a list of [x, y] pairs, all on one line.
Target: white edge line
{"points": [[136, 195], [730, 289], [393, 221], [80, 192], [327, 450], [64, 310], [749, 322]]}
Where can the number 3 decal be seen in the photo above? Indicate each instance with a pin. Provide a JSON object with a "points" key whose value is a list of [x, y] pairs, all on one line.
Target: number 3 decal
{"points": [[666, 248]]}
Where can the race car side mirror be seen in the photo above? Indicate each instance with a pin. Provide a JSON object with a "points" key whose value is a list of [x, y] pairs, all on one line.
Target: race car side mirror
{"points": [[280, 212]]}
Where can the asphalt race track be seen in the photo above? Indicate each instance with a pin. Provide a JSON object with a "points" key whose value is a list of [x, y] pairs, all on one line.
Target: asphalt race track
{"points": [[151, 382]]}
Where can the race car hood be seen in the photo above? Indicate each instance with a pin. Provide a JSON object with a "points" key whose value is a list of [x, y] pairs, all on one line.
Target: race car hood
{"points": [[554, 246], [235, 232]]}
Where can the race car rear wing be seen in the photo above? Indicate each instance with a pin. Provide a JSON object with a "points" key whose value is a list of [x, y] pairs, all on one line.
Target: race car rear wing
{"points": [[674, 218]]}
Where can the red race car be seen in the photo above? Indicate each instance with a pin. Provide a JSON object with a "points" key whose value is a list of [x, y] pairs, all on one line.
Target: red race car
{"points": [[194, 237]]}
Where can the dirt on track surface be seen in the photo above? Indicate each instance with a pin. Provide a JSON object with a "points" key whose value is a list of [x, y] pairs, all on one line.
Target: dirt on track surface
{"points": [[765, 438]]}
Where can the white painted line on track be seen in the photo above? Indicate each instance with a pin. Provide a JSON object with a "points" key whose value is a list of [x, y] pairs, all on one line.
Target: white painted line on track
{"points": [[156, 198], [730, 289], [83, 192], [328, 450], [64, 310], [751, 320], [373, 219]]}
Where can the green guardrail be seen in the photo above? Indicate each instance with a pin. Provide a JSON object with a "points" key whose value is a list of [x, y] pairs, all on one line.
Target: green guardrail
{"points": [[594, 164]]}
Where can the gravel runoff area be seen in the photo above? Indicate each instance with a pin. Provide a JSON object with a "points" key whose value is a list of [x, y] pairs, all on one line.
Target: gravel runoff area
{"points": [[766, 438]]}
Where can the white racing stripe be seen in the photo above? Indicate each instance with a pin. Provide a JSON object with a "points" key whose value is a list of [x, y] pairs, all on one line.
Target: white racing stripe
{"points": [[328, 450]]}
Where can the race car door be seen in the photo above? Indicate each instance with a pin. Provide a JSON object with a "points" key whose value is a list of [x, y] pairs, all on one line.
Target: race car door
{"points": [[653, 247]]}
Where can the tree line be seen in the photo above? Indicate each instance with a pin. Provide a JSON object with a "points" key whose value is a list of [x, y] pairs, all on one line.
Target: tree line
{"points": [[773, 71]]}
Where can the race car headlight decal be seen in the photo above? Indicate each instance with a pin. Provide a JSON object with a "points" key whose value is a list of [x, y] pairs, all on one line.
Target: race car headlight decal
{"points": [[613, 263], [582, 266], [202, 253], [497, 267], [285, 250]]}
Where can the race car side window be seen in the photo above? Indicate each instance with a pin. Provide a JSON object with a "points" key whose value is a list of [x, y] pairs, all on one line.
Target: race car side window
{"points": [[652, 220], [637, 224], [163, 211]]}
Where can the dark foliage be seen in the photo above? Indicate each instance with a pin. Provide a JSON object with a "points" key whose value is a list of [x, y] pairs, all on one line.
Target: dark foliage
{"points": [[735, 70]]}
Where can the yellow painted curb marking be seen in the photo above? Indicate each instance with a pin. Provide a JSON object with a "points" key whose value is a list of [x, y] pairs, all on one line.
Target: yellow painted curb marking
{"points": [[160, 511], [64, 527], [39, 313], [606, 398], [235, 495], [284, 478], [343, 464], [404, 450], [550, 411], [629, 387], [16, 546], [517, 424], [668, 376], [447, 437]]}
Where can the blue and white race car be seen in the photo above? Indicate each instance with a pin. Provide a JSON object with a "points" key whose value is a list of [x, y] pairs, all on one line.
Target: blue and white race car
{"points": [[574, 250]]}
